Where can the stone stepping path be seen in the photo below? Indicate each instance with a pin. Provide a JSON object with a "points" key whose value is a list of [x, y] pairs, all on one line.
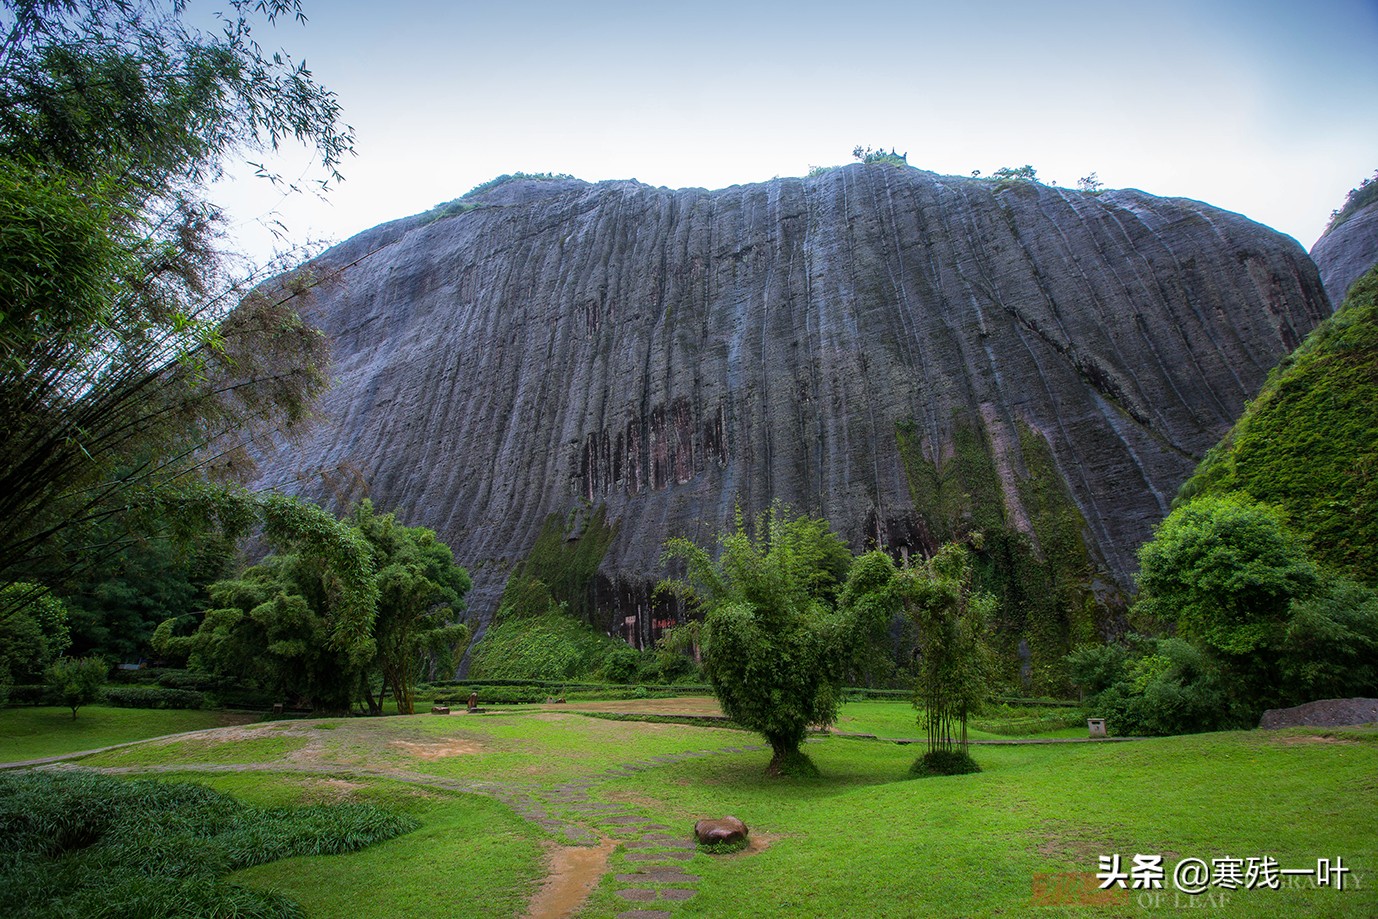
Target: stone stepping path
{"points": [[564, 810], [659, 880]]}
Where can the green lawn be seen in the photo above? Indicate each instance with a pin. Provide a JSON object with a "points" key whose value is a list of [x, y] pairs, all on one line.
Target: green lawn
{"points": [[34, 732], [472, 856], [897, 720], [861, 841]]}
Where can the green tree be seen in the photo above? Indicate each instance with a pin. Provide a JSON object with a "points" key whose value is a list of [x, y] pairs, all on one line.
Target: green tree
{"points": [[1257, 625], [117, 601], [300, 623], [1224, 571], [32, 635], [870, 600], [1153, 687], [1330, 647], [775, 646], [344, 603], [1024, 173], [420, 599], [952, 618], [1230, 576], [121, 362], [77, 680]]}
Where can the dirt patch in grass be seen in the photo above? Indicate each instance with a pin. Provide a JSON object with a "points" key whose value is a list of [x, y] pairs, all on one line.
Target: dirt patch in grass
{"points": [[1066, 843], [1291, 739], [436, 750], [755, 842], [573, 873], [687, 705]]}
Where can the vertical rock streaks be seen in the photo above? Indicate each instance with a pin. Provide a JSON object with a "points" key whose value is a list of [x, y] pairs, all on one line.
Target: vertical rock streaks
{"points": [[670, 353]]}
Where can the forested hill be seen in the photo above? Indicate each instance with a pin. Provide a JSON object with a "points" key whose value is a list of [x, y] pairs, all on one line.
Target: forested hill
{"points": [[910, 355], [1309, 442]]}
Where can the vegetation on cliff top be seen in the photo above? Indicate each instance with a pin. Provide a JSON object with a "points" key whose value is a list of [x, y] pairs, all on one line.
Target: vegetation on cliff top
{"points": [[1358, 198]]}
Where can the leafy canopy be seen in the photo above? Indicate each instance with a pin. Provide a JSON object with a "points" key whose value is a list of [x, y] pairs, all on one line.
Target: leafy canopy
{"points": [[955, 663], [344, 605], [1224, 571], [775, 644], [123, 371], [1259, 624]]}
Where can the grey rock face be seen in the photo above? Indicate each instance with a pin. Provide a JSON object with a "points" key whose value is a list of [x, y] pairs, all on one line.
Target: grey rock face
{"points": [[1347, 252], [1326, 713], [668, 353]]}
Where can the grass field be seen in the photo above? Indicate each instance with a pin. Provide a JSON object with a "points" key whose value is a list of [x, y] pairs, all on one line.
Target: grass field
{"points": [[499, 794], [32, 732]]}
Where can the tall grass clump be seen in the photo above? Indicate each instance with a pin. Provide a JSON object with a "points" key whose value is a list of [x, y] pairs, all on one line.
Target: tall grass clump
{"points": [[79, 844]]}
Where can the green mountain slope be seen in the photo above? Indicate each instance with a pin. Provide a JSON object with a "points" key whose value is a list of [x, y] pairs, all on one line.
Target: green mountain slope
{"points": [[1309, 442]]}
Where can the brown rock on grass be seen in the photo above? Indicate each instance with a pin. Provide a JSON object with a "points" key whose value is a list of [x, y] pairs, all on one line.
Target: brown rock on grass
{"points": [[724, 830]]}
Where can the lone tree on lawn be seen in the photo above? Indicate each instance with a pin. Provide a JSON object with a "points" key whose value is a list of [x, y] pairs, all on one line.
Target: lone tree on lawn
{"points": [[952, 619], [775, 645], [76, 681]]}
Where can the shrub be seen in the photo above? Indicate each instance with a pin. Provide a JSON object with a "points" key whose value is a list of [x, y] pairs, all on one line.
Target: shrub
{"points": [[554, 647], [153, 697], [1330, 648], [28, 694], [944, 762], [79, 844], [620, 665], [1154, 687]]}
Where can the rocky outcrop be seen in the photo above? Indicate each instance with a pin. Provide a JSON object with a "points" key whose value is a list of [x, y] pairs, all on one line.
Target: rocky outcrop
{"points": [[1327, 713], [868, 344], [1348, 251]]}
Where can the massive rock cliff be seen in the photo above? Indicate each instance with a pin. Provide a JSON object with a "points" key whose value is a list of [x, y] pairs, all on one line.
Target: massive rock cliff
{"points": [[1347, 250], [908, 354]]}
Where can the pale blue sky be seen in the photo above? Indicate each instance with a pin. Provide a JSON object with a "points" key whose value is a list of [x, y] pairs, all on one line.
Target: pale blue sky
{"points": [[1262, 107]]}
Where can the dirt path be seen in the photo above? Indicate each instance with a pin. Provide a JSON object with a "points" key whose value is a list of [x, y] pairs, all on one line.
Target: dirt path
{"points": [[573, 873], [591, 829]]}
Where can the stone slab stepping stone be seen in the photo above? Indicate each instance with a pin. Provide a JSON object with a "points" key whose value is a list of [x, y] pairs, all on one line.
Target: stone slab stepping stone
{"points": [[627, 818], [645, 914], [647, 894], [658, 856], [637, 894], [667, 840], [670, 874], [661, 841]]}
